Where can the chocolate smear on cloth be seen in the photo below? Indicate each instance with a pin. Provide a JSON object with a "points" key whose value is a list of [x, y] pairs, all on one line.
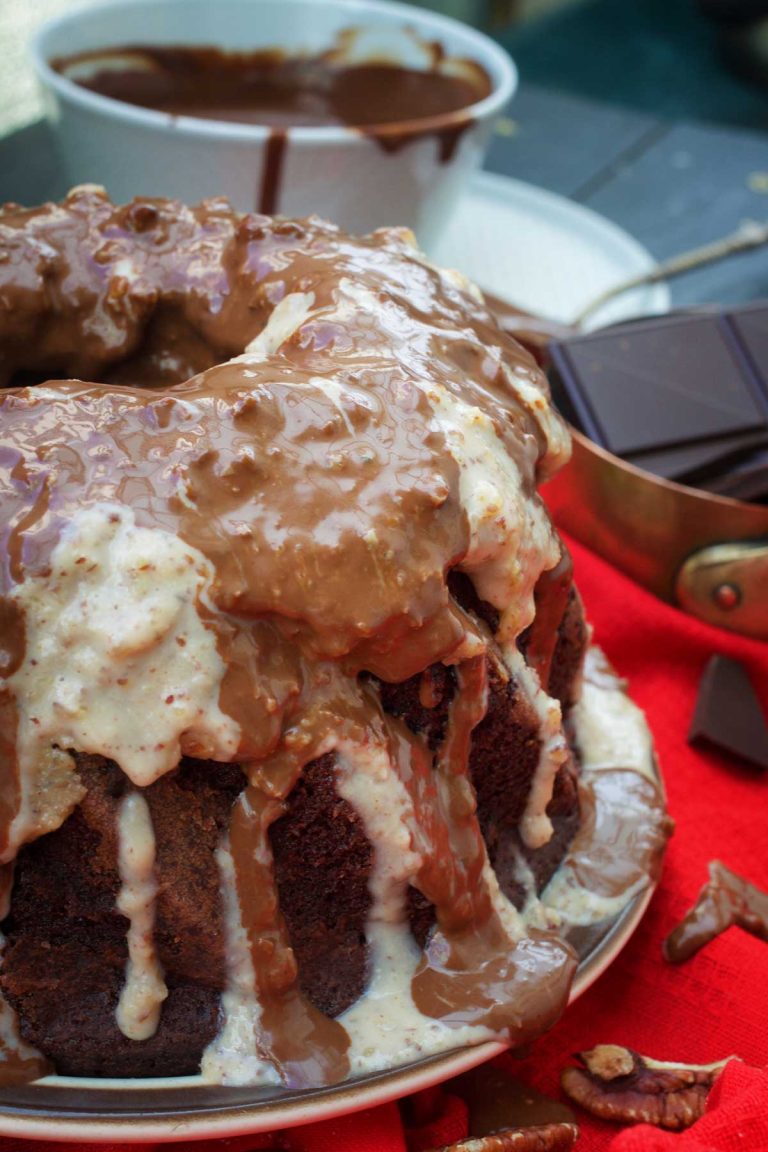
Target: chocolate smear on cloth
{"points": [[504, 1113], [618, 1084], [684, 396], [726, 900], [497, 1102], [728, 714]]}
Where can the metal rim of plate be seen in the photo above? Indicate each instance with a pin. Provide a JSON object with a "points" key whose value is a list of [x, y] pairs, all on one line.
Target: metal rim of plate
{"points": [[66, 1108]]}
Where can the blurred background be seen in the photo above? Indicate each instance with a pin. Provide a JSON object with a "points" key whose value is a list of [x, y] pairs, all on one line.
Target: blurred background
{"points": [[689, 59]]}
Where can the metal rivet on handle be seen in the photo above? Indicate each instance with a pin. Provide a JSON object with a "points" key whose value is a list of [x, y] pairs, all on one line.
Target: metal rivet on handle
{"points": [[727, 596]]}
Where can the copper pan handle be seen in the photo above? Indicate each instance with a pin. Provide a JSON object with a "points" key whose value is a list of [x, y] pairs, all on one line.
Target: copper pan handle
{"points": [[727, 585]]}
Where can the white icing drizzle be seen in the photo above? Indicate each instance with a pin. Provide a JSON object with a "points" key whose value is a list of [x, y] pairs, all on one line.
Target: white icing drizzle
{"points": [[285, 319], [511, 543], [232, 1056], [144, 990], [610, 729], [535, 825], [384, 1025], [118, 660]]}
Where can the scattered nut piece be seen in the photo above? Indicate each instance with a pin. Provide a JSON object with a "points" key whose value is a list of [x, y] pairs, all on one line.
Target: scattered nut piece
{"points": [[541, 1138], [725, 900], [619, 1084]]}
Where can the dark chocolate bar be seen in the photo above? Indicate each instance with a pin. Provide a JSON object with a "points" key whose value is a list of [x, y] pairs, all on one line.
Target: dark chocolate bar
{"points": [[684, 396], [728, 714]]}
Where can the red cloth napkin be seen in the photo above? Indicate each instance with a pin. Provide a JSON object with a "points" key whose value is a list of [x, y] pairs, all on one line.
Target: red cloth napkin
{"points": [[713, 1006]]}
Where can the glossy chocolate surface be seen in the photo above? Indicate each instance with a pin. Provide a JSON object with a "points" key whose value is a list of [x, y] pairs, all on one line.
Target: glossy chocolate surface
{"points": [[274, 89]]}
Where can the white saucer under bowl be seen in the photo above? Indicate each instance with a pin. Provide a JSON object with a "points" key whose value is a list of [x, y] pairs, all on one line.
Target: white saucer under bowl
{"points": [[544, 253]]}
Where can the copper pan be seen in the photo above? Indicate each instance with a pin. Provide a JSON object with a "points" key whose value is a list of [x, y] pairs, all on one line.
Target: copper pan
{"points": [[704, 553]]}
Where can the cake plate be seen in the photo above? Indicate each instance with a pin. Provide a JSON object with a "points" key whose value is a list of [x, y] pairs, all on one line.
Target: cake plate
{"points": [[63, 1108], [545, 254]]}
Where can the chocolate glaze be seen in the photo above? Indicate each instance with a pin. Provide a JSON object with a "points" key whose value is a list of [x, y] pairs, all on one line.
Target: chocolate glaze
{"points": [[629, 843], [534, 332], [313, 477], [618, 847], [552, 593], [727, 899], [467, 975]]}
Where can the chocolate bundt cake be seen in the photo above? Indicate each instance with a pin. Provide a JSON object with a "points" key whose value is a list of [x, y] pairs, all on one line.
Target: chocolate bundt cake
{"points": [[291, 655]]}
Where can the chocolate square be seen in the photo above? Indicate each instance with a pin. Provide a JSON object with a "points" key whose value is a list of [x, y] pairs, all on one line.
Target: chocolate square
{"points": [[658, 383], [751, 327], [695, 463], [728, 714]]}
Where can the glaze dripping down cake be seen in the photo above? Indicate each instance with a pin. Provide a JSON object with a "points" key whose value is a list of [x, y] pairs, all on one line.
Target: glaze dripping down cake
{"points": [[294, 708]]}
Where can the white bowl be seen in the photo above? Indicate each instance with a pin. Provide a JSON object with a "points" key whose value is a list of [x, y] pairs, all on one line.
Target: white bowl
{"points": [[336, 172]]}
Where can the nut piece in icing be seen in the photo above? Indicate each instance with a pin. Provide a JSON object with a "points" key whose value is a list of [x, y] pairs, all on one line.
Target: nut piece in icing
{"points": [[618, 1084]]}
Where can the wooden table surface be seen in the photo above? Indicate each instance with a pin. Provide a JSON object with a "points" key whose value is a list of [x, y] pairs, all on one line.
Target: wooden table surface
{"points": [[672, 184]]}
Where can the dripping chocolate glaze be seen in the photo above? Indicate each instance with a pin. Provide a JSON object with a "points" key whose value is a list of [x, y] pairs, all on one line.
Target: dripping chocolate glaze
{"points": [[313, 477]]}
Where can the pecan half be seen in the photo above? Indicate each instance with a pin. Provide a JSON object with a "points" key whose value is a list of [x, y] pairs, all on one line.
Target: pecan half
{"points": [[618, 1084], [541, 1138]]}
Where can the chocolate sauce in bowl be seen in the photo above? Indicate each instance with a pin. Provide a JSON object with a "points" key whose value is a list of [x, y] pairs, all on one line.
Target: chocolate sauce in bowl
{"points": [[383, 99], [271, 88]]}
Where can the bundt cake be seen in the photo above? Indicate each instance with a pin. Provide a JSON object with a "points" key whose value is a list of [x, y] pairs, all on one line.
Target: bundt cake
{"points": [[292, 662]]}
